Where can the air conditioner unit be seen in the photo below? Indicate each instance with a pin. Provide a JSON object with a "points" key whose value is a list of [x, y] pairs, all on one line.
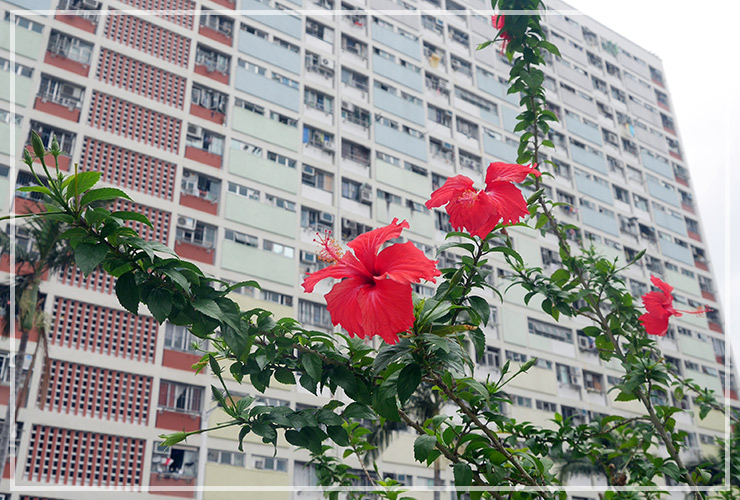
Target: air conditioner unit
{"points": [[327, 63], [349, 224], [366, 195], [309, 170], [186, 222], [326, 218], [584, 343], [259, 464], [328, 146], [187, 173], [195, 131]]}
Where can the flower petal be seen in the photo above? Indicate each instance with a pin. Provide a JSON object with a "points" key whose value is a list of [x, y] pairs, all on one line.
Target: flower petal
{"points": [[451, 189], [655, 324], [344, 306], [478, 212], [511, 205], [347, 267], [404, 263], [365, 309], [387, 309], [667, 289], [367, 244], [509, 172]]}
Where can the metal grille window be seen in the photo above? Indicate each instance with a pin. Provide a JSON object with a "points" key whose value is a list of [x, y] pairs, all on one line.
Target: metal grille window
{"points": [[212, 60], [318, 100], [70, 47], [180, 397], [314, 177]]}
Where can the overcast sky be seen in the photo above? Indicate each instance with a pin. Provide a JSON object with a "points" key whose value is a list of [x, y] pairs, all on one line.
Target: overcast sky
{"points": [[702, 74]]}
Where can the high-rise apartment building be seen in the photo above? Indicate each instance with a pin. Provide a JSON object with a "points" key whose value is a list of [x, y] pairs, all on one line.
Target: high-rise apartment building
{"points": [[241, 134]]}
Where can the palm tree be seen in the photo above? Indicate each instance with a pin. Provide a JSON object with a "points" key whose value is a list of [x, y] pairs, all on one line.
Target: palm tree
{"points": [[45, 253], [423, 404]]}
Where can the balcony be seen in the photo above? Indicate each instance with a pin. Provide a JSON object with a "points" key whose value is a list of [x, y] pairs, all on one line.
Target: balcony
{"points": [[176, 467], [229, 4], [398, 177], [657, 164], [195, 240], [288, 24], [670, 221], [215, 27], [262, 264], [401, 141], [400, 74], [69, 53], [590, 159], [588, 132], [204, 147], [28, 42], [262, 127], [490, 84], [396, 41], [598, 220], [59, 98], [66, 144], [257, 214], [662, 192], [675, 251], [256, 168], [268, 89], [590, 187], [200, 192], [208, 104], [499, 149], [212, 64], [399, 106], [84, 18], [270, 52]]}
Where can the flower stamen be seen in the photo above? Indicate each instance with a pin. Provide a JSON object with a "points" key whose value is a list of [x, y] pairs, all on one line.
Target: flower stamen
{"points": [[330, 251]]}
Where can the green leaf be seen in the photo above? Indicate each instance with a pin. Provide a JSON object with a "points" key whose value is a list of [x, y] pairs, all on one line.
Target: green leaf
{"points": [[423, 446], [34, 189], [284, 376], [242, 284], [127, 292], [338, 434], [159, 303], [463, 474], [269, 435], [102, 194], [481, 307], [623, 396], [207, 307], [88, 256], [312, 364], [78, 184], [359, 411], [408, 380], [510, 252], [134, 216]]}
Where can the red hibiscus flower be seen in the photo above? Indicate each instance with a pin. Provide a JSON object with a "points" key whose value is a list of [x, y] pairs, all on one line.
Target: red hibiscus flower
{"points": [[659, 307], [498, 23], [480, 211], [374, 298]]}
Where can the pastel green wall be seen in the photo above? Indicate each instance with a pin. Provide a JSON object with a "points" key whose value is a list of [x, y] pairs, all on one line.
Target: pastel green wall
{"points": [[403, 179], [27, 43], [22, 88], [263, 171], [260, 215], [264, 128], [258, 263]]}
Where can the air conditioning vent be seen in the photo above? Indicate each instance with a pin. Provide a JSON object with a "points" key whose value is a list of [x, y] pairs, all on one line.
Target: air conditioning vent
{"points": [[195, 131], [309, 170], [326, 218]]}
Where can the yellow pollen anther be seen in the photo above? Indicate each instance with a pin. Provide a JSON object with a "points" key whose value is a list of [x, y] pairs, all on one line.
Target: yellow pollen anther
{"points": [[330, 251]]}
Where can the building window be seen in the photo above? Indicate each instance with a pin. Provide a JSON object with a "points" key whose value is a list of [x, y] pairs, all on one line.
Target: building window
{"points": [[176, 461], [550, 331], [516, 357], [312, 313], [180, 397], [546, 406], [491, 357], [241, 238], [226, 458], [278, 248], [178, 338], [270, 463]]}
